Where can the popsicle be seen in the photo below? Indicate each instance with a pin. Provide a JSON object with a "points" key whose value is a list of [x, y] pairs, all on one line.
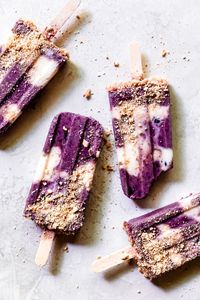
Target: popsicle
{"points": [[161, 240], [60, 191], [142, 129], [27, 63]]}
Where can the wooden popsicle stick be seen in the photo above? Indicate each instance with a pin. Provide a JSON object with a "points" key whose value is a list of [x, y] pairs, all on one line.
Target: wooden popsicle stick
{"points": [[58, 22], [114, 259], [44, 248], [136, 61]]}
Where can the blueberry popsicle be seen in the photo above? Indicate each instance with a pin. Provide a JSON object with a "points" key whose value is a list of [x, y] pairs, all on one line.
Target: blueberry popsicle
{"points": [[142, 128], [31, 61], [161, 240], [166, 238], [27, 63], [60, 191]]}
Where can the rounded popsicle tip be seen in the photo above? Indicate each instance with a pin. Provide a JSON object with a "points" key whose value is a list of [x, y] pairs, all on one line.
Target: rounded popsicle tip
{"points": [[96, 266], [116, 258], [136, 61], [40, 261], [44, 248]]}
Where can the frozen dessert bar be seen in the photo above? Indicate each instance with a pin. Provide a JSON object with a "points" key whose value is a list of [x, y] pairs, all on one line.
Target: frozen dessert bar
{"points": [[161, 240], [166, 238], [27, 63], [142, 128], [60, 191]]}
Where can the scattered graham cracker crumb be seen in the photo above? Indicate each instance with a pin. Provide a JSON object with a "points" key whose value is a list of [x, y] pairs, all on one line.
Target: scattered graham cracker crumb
{"points": [[164, 53], [88, 94], [66, 249], [78, 17], [116, 64], [98, 257]]}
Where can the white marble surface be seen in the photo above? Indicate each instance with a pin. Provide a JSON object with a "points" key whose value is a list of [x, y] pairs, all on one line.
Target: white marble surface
{"points": [[105, 29]]}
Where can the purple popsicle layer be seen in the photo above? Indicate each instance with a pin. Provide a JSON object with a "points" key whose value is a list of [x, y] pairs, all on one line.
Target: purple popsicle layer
{"points": [[142, 129], [166, 238], [27, 64], [60, 191]]}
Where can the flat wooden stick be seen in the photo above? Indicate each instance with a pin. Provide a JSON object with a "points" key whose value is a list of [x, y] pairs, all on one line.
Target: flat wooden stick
{"points": [[136, 61], [44, 248], [114, 259], [58, 22]]}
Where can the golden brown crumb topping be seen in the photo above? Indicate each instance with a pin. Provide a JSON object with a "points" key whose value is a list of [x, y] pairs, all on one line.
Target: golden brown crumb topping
{"points": [[62, 209], [25, 47]]}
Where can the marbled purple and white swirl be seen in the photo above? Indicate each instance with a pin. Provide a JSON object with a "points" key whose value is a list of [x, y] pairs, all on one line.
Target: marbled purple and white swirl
{"points": [[27, 63], [60, 190], [142, 129], [166, 238]]}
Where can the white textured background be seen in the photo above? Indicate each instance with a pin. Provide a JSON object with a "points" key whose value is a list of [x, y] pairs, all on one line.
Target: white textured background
{"points": [[105, 29]]}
